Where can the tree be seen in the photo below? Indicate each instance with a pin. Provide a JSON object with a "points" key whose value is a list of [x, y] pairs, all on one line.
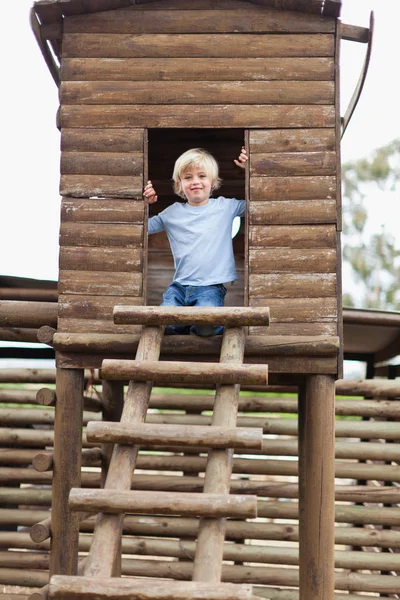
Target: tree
{"points": [[371, 254]]}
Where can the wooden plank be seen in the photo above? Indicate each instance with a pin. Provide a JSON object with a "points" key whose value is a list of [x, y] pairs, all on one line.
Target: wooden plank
{"points": [[157, 45], [292, 140], [288, 260], [293, 163], [292, 212], [101, 185], [102, 163], [297, 328], [189, 116], [92, 307], [195, 92], [293, 285], [96, 210], [293, 236], [72, 258], [197, 69], [96, 326], [101, 234], [165, 21], [102, 140], [100, 283], [298, 309], [293, 188]]}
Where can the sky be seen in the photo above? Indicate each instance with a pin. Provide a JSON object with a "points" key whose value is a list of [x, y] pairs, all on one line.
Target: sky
{"points": [[30, 205]]}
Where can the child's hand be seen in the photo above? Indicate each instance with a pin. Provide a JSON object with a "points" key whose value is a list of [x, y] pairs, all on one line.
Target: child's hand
{"points": [[243, 158], [149, 193]]}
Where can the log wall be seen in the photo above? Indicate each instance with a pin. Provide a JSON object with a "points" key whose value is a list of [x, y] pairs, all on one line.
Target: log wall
{"points": [[262, 551], [144, 70]]}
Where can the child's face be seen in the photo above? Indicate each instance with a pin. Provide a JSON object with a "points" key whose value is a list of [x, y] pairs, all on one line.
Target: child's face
{"points": [[196, 186]]}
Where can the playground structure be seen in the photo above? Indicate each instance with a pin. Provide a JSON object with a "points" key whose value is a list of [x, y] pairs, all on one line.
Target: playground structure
{"points": [[140, 82]]}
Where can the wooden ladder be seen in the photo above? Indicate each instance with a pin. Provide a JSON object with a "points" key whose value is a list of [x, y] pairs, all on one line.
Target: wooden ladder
{"points": [[100, 573]]}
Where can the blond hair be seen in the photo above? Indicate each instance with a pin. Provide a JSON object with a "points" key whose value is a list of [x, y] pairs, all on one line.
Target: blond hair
{"points": [[195, 157]]}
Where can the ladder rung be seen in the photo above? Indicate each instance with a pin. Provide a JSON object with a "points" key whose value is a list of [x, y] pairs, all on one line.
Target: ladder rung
{"points": [[124, 589], [181, 435], [192, 315], [185, 372], [167, 503]]}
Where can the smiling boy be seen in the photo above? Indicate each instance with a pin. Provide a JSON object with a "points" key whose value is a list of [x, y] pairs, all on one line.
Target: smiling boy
{"points": [[200, 235]]}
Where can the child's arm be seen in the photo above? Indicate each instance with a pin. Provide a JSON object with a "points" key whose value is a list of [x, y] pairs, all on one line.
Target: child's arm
{"points": [[149, 193], [243, 158]]}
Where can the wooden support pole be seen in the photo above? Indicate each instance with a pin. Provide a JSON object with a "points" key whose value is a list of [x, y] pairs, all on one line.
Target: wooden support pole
{"points": [[105, 549], [190, 435], [66, 470], [316, 487], [124, 589], [209, 549], [192, 315], [173, 371]]}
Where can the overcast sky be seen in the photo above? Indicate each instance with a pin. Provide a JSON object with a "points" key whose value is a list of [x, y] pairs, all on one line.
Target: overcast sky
{"points": [[29, 213]]}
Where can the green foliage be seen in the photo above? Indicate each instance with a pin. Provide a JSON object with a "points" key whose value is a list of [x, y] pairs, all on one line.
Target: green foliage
{"points": [[374, 258]]}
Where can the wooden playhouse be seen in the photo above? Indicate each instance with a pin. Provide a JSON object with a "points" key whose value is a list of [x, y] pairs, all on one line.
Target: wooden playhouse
{"points": [[140, 82]]}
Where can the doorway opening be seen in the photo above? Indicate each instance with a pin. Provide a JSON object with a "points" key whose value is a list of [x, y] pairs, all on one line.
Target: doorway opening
{"points": [[164, 147]]}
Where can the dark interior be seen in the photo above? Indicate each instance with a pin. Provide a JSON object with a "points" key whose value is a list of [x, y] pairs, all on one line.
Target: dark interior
{"points": [[164, 147]]}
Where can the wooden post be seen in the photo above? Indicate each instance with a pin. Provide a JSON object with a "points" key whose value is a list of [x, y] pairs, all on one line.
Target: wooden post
{"points": [[67, 459], [317, 487]]}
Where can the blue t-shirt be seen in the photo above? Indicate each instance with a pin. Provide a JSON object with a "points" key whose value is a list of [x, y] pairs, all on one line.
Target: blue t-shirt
{"points": [[201, 239]]}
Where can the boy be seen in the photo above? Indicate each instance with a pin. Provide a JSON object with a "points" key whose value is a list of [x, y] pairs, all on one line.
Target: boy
{"points": [[200, 234]]}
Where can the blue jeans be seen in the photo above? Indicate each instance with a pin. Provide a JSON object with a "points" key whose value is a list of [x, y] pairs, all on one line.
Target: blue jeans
{"points": [[193, 295]]}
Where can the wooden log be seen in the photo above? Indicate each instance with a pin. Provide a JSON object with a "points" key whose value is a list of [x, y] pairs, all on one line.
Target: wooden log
{"points": [[29, 294], [316, 488], [206, 505], [34, 416], [44, 461], [100, 259], [282, 260], [40, 376], [209, 548], [45, 335], [373, 388], [184, 372], [18, 334], [291, 285], [293, 212], [103, 588], [111, 186], [101, 234], [47, 397], [42, 594], [21, 313], [25, 496], [39, 532], [228, 116], [293, 236], [105, 550], [196, 45], [255, 20], [94, 307], [18, 396], [99, 210], [193, 315], [66, 469], [102, 163], [291, 140], [256, 345], [100, 282], [292, 188], [23, 578], [182, 69], [205, 437], [178, 92]]}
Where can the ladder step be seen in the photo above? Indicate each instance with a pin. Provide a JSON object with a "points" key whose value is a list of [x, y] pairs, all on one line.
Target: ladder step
{"points": [[192, 315], [127, 588], [181, 435], [167, 503], [184, 372]]}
